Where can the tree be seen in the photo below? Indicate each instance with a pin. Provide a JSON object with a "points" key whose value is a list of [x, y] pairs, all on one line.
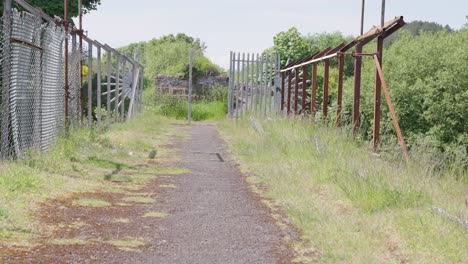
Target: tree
{"points": [[290, 45], [416, 28], [56, 7]]}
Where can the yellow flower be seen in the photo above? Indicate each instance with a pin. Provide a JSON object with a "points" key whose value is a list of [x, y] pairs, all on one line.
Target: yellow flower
{"points": [[85, 71]]}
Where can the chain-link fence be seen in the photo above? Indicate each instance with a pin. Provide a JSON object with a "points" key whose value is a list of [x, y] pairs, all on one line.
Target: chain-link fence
{"points": [[33, 90]]}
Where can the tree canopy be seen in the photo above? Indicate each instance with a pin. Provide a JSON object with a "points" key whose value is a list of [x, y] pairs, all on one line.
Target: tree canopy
{"points": [[56, 7], [169, 55]]}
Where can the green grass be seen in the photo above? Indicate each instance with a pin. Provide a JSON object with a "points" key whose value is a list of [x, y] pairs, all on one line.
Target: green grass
{"points": [[155, 214], [127, 245], [91, 203], [212, 108], [350, 206], [81, 161], [138, 199]]}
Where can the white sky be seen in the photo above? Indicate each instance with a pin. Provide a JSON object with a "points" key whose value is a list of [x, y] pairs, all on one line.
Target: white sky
{"points": [[249, 26]]}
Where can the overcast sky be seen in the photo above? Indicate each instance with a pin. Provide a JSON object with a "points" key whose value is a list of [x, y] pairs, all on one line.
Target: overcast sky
{"points": [[249, 25]]}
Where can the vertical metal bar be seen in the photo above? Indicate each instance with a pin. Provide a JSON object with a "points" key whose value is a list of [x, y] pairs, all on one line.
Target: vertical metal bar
{"points": [[257, 85], [230, 86], [242, 93], [122, 102], [135, 73], [340, 88], [313, 101], [117, 87], [190, 87], [109, 71], [296, 90], [289, 90], [142, 88], [278, 84], [283, 79], [362, 16], [90, 85], [390, 106], [98, 93], [247, 75], [326, 77], [6, 59], [252, 85], [67, 85], [238, 85], [377, 96], [261, 83], [80, 19], [270, 80], [304, 88], [357, 89], [382, 20], [267, 83]]}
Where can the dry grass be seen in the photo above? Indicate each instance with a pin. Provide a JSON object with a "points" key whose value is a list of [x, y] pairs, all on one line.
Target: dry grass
{"points": [[91, 203], [351, 206], [155, 214]]}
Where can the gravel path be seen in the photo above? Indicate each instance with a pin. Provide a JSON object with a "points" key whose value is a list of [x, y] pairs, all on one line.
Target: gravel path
{"points": [[213, 216]]}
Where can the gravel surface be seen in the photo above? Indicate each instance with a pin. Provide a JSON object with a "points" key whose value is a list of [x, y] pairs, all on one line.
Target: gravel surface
{"points": [[214, 218]]}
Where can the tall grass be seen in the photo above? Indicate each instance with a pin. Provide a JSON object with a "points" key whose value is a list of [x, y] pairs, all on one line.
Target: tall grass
{"points": [[213, 107], [352, 206]]}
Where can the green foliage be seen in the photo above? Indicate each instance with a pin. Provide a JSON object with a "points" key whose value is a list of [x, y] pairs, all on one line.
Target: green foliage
{"points": [[427, 77], [56, 7], [416, 28], [169, 55], [291, 45]]}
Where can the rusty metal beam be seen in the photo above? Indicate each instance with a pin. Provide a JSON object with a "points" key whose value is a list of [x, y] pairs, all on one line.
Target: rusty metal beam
{"points": [[304, 88], [339, 99], [326, 77], [283, 77], [401, 140], [289, 91], [296, 90], [377, 96], [313, 101], [357, 89]]}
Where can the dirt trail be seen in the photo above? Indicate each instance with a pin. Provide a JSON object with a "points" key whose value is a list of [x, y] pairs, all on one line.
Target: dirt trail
{"points": [[212, 217]]}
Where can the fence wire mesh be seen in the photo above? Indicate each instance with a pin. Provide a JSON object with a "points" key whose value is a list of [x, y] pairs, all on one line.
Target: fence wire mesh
{"points": [[32, 59], [32, 82]]}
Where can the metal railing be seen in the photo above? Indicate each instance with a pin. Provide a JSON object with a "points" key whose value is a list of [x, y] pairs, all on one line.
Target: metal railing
{"points": [[298, 91], [41, 81], [300, 69]]}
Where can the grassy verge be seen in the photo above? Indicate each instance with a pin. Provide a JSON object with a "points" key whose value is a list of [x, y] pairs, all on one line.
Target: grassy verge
{"points": [[82, 161], [351, 206], [212, 108]]}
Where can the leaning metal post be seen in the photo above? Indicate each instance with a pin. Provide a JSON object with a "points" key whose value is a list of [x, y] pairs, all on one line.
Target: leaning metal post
{"points": [[378, 67]]}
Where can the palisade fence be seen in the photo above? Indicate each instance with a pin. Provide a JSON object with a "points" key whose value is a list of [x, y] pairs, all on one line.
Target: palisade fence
{"points": [[254, 84], [36, 102]]}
